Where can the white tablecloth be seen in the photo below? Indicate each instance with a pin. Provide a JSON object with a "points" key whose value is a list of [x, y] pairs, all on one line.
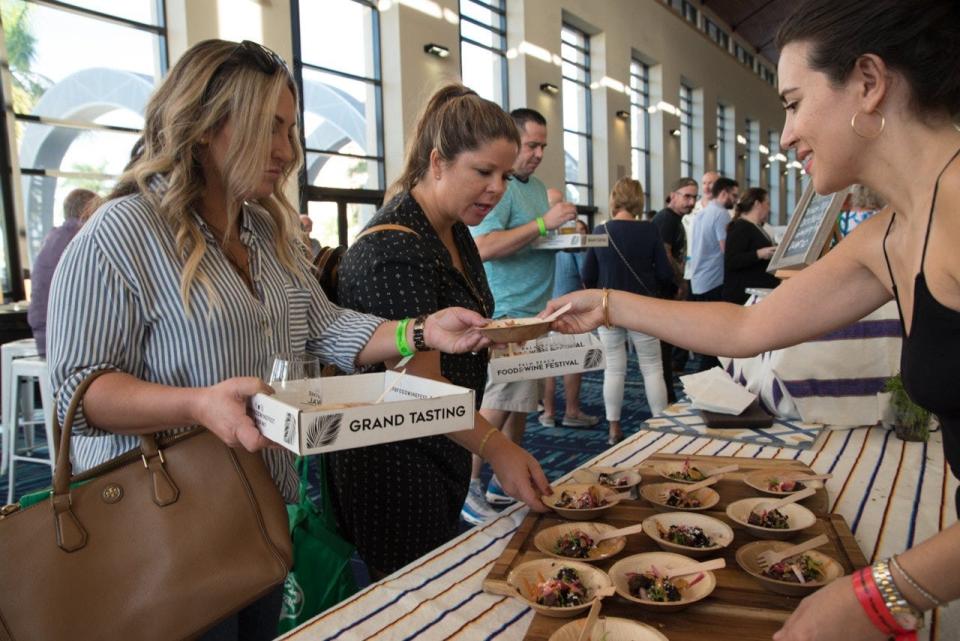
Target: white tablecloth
{"points": [[891, 493]]}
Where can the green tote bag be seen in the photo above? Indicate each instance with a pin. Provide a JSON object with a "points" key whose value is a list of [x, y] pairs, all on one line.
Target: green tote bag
{"points": [[321, 575]]}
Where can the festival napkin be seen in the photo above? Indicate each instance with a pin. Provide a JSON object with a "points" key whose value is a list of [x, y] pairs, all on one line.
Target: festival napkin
{"points": [[714, 391]]}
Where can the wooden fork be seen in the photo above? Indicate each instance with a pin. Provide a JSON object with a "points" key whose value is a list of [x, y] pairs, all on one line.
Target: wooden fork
{"points": [[689, 489], [770, 558], [776, 505]]}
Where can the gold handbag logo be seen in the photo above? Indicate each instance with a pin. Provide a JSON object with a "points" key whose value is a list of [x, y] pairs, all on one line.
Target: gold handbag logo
{"points": [[111, 493]]}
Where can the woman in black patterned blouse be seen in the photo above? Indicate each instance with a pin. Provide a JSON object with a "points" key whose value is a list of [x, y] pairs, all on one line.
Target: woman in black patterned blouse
{"points": [[398, 501]]}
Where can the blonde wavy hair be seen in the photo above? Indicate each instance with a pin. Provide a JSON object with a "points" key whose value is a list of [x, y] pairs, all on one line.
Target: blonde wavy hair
{"points": [[213, 83]]}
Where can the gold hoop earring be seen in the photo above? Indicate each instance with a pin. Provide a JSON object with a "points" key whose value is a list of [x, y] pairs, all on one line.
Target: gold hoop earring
{"points": [[853, 125]]}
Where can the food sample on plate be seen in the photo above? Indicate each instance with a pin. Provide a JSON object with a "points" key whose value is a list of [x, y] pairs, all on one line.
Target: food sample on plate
{"points": [[576, 544], [799, 569], [615, 479], [688, 535], [679, 498], [584, 501], [772, 519], [650, 586], [687, 473], [564, 590], [775, 484]]}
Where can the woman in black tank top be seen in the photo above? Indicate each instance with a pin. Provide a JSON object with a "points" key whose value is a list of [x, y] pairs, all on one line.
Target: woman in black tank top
{"points": [[872, 94]]}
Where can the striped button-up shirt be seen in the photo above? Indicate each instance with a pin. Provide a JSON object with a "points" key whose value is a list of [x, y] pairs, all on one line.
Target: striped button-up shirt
{"points": [[115, 305]]}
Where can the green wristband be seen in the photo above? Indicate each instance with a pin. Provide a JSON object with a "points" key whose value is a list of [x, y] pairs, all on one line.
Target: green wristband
{"points": [[542, 226], [402, 345]]}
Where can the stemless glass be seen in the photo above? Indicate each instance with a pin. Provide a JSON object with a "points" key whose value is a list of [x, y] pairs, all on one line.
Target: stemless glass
{"points": [[290, 366]]}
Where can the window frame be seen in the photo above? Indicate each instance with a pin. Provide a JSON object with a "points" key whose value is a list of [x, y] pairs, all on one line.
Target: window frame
{"points": [[500, 32], [686, 130], [639, 106], [342, 197], [588, 116], [15, 220]]}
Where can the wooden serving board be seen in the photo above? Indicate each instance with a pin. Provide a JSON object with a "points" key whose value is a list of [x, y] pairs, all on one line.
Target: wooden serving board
{"points": [[739, 608]]}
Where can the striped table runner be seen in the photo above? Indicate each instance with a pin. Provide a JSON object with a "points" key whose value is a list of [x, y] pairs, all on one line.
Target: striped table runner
{"points": [[891, 493]]}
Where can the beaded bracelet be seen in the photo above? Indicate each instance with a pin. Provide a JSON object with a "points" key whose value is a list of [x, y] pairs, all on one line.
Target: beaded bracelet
{"points": [[483, 442], [542, 226], [402, 345], [937, 603]]}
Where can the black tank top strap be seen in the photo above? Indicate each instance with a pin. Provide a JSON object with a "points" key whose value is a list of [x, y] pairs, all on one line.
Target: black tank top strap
{"points": [[933, 204], [886, 258]]}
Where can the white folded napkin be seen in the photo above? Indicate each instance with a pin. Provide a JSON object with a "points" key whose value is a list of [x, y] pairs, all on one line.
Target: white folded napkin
{"points": [[713, 390]]}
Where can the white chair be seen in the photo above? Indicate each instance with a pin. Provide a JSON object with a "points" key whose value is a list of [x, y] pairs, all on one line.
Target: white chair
{"points": [[9, 352], [31, 369]]}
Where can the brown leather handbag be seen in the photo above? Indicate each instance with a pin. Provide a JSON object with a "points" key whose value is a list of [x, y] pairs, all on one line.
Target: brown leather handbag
{"points": [[160, 543]]}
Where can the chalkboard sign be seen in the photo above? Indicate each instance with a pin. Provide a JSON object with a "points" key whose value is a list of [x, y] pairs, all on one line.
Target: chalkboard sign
{"points": [[808, 231]]}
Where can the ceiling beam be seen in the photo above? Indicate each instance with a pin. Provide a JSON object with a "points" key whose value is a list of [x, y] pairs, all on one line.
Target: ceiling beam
{"points": [[752, 14]]}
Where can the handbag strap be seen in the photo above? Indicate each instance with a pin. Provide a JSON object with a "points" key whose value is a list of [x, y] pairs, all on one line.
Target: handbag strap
{"points": [[385, 227], [71, 534], [606, 228]]}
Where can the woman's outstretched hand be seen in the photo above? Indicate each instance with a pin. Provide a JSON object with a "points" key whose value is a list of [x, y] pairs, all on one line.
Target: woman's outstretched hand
{"points": [[585, 315], [832, 613], [454, 331], [519, 474], [222, 409]]}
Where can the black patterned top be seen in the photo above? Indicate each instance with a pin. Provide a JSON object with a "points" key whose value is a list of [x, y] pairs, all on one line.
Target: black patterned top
{"points": [[398, 501]]}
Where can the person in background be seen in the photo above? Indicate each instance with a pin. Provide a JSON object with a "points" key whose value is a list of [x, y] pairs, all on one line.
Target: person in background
{"points": [[192, 277], [313, 245], [709, 239], [521, 279], [635, 260], [861, 203], [77, 207], [397, 501], [874, 106], [669, 221], [567, 279], [748, 248]]}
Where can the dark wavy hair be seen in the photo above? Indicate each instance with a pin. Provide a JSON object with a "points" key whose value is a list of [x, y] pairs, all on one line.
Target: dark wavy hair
{"points": [[919, 39], [747, 201]]}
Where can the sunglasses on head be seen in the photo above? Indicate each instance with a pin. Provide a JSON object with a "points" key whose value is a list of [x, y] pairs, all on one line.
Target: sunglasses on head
{"points": [[248, 54], [266, 60]]}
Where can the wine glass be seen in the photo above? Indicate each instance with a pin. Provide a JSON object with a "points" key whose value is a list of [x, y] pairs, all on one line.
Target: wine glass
{"points": [[293, 366]]}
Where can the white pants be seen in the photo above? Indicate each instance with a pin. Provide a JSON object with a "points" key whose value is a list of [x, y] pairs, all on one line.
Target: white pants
{"points": [[651, 367]]}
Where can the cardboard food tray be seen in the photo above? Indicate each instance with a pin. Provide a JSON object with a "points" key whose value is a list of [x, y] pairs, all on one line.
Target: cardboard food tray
{"points": [[339, 412], [740, 608], [550, 355], [571, 241]]}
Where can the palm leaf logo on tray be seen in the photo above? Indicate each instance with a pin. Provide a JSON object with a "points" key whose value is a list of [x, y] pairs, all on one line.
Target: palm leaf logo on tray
{"points": [[323, 430], [289, 431], [593, 359]]}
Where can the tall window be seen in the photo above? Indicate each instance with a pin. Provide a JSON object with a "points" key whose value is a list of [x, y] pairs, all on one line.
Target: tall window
{"points": [[483, 48], [77, 105], [751, 169], [686, 130], [774, 172], [791, 182], [338, 68], [716, 33], [686, 9], [743, 55], [723, 140], [767, 74], [577, 125], [640, 123]]}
